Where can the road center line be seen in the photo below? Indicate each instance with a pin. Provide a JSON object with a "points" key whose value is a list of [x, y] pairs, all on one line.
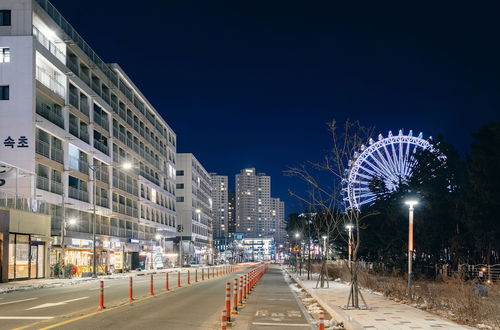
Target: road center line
{"points": [[16, 301]]}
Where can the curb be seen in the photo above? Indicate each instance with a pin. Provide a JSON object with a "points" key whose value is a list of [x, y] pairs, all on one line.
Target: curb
{"points": [[335, 312]]}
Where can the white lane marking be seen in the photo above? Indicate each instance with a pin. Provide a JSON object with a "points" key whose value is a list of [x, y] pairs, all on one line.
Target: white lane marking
{"points": [[283, 324], [56, 304], [26, 317], [16, 301]]}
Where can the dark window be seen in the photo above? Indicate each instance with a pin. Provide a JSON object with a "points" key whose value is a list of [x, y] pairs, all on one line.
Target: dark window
{"points": [[179, 173], [180, 199], [4, 17], [4, 92], [179, 186]]}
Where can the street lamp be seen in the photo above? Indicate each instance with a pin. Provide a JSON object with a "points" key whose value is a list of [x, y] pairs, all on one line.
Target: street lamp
{"points": [[95, 168], [410, 203], [349, 227], [64, 225], [324, 237]]}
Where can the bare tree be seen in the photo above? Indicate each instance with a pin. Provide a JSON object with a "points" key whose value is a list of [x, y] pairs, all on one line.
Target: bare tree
{"points": [[326, 197]]}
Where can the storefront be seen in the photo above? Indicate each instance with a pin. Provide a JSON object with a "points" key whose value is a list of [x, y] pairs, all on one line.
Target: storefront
{"points": [[24, 238]]}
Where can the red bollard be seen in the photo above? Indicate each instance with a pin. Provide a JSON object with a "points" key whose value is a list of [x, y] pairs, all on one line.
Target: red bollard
{"points": [[101, 296], [223, 324], [208, 272], [235, 295], [202, 274], [189, 277], [240, 294], [196, 275], [166, 282], [130, 292], [321, 324], [178, 279], [217, 271], [151, 288], [228, 300]]}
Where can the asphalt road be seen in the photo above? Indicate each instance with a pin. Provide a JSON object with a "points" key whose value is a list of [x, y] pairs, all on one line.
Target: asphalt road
{"points": [[43, 307]]}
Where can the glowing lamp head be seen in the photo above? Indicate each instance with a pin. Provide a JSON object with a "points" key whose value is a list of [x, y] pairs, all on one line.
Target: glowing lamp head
{"points": [[349, 226], [72, 221], [198, 211], [127, 166], [411, 202], [297, 235], [324, 237], [158, 237]]}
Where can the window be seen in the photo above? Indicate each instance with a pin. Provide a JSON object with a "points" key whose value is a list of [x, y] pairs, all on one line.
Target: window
{"points": [[5, 17], [179, 172], [4, 92], [179, 199], [179, 186], [4, 55]]}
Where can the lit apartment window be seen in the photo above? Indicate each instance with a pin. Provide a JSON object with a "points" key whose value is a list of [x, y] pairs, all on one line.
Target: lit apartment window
{"points": [[4, 92], [4, 54], [4, 17]]}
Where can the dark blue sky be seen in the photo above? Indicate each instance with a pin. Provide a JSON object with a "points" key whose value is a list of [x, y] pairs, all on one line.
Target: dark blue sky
{"points": [[252, 83]]}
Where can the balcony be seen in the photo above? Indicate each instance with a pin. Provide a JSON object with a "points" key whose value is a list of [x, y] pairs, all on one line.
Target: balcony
{"points": [[102, 201], [79, 165], [102, 175], [52, 115], [101, 121], [84, 106], [73, 129], [57, 155], [101, 147], [46, 79], [51, 47], [56, 187], [73, 99], [78, 194], [42, 148], [84, 135], [43, 183]]}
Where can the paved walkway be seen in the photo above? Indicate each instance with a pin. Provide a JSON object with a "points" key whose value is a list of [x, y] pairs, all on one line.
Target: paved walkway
{"points": [[272, 305], [383, 313]]}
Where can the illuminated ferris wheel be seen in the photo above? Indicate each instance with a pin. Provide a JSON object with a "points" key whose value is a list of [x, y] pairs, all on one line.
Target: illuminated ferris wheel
{"points": [[389, 159]]}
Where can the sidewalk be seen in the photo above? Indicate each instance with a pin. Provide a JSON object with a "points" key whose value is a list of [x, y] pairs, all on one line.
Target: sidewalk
{"points": [[383, 313]]}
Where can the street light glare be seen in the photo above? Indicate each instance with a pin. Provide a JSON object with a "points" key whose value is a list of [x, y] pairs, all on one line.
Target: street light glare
{"points": [[127, 166], [411, 202], [158, 237], [297, 235], [72, 221], [349, 226], [324, 237]]}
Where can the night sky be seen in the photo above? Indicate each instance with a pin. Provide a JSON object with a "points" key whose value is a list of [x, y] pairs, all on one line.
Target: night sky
{"points": [[252, 83]]}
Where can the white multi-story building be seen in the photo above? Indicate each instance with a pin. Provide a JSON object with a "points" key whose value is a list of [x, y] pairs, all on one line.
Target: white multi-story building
{"points": [[194, 210], [220, 208], [278, 216], [72, 120], [254, 205]]}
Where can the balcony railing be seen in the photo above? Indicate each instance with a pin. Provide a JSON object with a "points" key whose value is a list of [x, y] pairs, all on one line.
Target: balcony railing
{"points": [[102, 201], [78, 194], [42, 148], [43, 183], [73, 129], [52, 84], [101, 120], [84, 106], [84, 135], [101, 147], [57, 155], [49, 45], [51, 115], [73, 99], [56, 187]]}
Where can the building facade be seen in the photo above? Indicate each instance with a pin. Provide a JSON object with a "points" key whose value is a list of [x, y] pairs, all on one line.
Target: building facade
{"points": [[89, 139], [257, 213], [278, 218], [194, 210], [220, 209], [231, 215]]}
